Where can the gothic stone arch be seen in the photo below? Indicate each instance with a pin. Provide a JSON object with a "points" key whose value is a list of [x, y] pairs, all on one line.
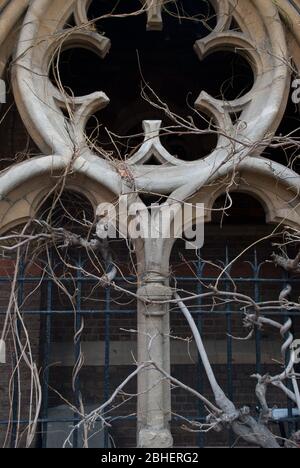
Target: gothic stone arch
{"points": [[32, 32]]}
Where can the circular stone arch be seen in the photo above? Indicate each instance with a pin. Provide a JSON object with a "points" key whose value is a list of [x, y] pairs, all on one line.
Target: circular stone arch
{"points": [[280, 204], [22, 204]]}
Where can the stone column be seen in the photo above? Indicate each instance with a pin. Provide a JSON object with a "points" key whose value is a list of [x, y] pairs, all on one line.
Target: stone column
{"points": [[154, 400]]}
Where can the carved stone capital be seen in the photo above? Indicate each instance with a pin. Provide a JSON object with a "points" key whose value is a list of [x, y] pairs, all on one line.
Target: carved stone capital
{"points": [[155, 438], [153, 293]]}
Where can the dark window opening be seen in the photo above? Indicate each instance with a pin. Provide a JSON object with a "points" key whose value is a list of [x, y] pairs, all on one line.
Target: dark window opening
{"points": [[234, 26], [70, 210], [67, 69], [245, 210], [192, 20], [190, 145], [235, 117], [151, 200], [153, 161], [185, 145], [160, 61], [16, 143]]}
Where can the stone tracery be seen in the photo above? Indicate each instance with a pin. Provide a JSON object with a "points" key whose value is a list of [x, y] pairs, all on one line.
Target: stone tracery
{"points": [[271, 73], [261, 41]]}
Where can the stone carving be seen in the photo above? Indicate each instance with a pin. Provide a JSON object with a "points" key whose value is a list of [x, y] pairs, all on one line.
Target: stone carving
{"points": [[261, 39]]}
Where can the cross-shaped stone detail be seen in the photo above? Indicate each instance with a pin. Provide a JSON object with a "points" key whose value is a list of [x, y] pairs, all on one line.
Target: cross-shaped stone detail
{"points": [[154, 13], [152, 145]]}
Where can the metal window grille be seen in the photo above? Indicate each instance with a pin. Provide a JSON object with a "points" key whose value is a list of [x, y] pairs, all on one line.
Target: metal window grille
{"points": [[254, 279]]}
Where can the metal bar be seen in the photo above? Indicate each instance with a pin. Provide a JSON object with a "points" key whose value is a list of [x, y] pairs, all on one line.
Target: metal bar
{"points": [[107, 356], [46, 362], [77, 349], [200, 376], [257, 331], [125, 280], [71, 312], [16, 389], [131, 312], [125, 418], [229, 348], [289, 382]]}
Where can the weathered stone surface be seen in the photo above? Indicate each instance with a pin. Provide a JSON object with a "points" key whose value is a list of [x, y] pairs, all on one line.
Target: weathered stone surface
{"points": [[261, 38], [155, 438]]}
